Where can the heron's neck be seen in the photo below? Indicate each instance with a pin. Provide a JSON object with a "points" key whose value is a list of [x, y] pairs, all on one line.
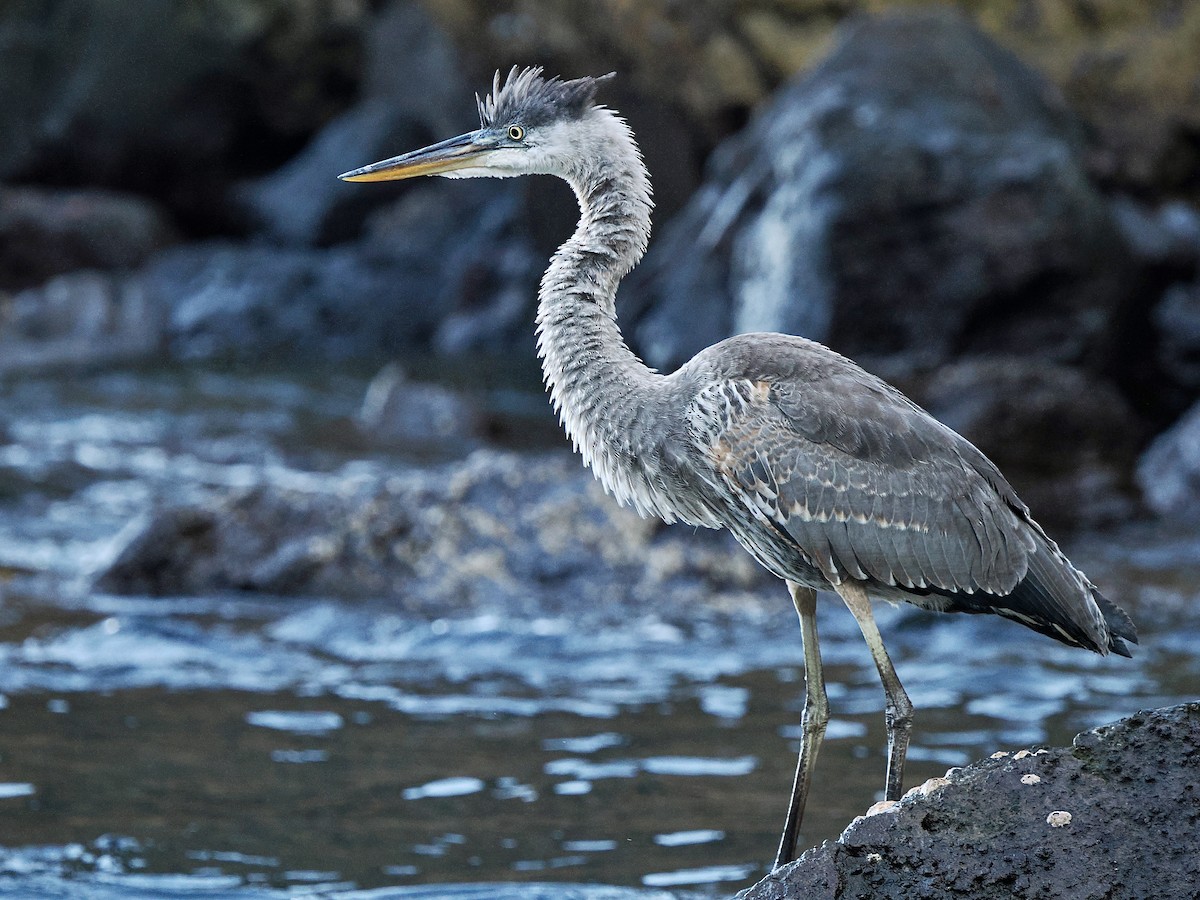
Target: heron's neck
{"points": [[596, 383]]}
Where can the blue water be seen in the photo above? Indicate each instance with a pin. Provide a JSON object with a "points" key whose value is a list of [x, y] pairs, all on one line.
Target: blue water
{"points": [[254, 746]]}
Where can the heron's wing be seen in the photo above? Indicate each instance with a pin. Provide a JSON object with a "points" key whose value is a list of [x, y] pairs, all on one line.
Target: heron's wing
{"points": [[866, 484]]}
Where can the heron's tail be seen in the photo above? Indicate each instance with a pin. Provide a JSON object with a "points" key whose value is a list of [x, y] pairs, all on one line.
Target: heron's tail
{"points": [[1057, 600], [1120, 627]]}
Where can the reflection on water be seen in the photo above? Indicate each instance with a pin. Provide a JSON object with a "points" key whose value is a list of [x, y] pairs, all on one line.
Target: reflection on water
{"points": [[252, 746]]}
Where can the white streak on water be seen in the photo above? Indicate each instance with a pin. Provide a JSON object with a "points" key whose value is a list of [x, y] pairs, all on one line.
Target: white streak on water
{"points": [[705, 875], [687, 838], [458, 786], [296, 721]]}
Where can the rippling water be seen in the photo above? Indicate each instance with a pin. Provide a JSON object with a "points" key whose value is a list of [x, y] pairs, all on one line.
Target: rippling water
{"points": [[240, 746]]}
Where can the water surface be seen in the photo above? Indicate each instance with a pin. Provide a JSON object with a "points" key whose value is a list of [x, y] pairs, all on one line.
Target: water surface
{"points": [[241, 745]]}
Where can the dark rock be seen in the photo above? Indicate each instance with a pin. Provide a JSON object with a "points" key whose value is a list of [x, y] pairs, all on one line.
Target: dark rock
{"points": [[1169, 471], [1067, 440], [693, 55], [81, 319], [255, 302], [469, 258], [1137, 86], [497, 531], [416, 415], [169, 99], [1166, 236], [1153, 349], [1177, 322], [1115, 816], [920, 191], [46, 232], [1129, 68], [303, 202], [445, 266]]}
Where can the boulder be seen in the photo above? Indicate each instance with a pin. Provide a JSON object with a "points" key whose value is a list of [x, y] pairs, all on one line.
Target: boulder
{"points": [[302, 202], [1066, 439], [446, 266], [1130, 68], [416, 415], [921, 191], [174, 100], [46, 232], [516, 534], [1114, 816], [1169, 471], [81, 319], [255, 302]]}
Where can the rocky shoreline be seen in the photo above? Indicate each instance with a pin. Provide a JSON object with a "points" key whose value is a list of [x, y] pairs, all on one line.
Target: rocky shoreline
{"points": [[1115, 815]]}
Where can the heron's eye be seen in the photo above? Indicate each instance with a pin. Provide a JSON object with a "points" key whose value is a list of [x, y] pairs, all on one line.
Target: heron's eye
{"points": [[516, 132]]}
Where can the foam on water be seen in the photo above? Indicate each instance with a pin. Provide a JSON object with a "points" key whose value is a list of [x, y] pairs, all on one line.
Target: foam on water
{"points": [[296, 721]]}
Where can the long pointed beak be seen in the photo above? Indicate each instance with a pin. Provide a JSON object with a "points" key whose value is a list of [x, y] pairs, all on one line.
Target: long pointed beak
{"points": [[459, 152]]}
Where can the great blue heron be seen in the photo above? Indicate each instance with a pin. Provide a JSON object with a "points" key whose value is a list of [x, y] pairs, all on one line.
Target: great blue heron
{"points": [[830, 477]]}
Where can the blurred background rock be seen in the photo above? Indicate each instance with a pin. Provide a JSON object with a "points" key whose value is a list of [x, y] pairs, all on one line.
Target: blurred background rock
{"points": [[994, 203]]}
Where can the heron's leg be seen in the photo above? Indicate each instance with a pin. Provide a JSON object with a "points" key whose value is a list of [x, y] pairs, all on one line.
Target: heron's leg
{"points": [[812, 722], [899, 709]]}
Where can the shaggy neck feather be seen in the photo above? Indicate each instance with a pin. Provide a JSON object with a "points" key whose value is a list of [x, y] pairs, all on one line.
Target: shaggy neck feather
{"points": [[601, 390]]}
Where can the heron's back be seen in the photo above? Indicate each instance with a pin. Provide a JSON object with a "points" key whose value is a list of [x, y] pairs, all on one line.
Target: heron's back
{"points": [[826, 473]]}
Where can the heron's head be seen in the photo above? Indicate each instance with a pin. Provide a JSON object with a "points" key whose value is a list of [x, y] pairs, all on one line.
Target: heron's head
{"points": [[529, 125]]}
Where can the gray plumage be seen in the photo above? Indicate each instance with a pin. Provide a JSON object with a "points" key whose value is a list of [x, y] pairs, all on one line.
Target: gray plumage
{"points": [[530, 100], [845, 478], [830, 477]]}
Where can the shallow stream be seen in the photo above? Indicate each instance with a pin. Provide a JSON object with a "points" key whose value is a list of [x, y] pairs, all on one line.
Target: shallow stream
{"points": [[246, 746]]}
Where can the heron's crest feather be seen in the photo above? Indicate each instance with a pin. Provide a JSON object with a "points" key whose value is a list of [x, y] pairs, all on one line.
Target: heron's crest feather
{"points": [[531, 99]]}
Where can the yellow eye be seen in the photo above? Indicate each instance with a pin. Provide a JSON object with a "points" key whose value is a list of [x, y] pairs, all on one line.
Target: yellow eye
{"points": [[516, 133]]}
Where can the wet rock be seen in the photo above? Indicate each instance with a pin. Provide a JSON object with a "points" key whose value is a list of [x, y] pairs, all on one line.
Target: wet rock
{"points": [[1113, 816], [1165, 236], [257, 302], [81, 319], [469, 260], [1067, 440], [505, 532], [168, 99], [46, 232], [1177, 322], [399, 288], [921, 191], [413, 414], [1169, 471], [303, 202]]}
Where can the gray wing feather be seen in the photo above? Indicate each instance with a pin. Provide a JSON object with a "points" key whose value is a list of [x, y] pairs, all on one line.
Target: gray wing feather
{"points": [[868, 485], [852, 478]]}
